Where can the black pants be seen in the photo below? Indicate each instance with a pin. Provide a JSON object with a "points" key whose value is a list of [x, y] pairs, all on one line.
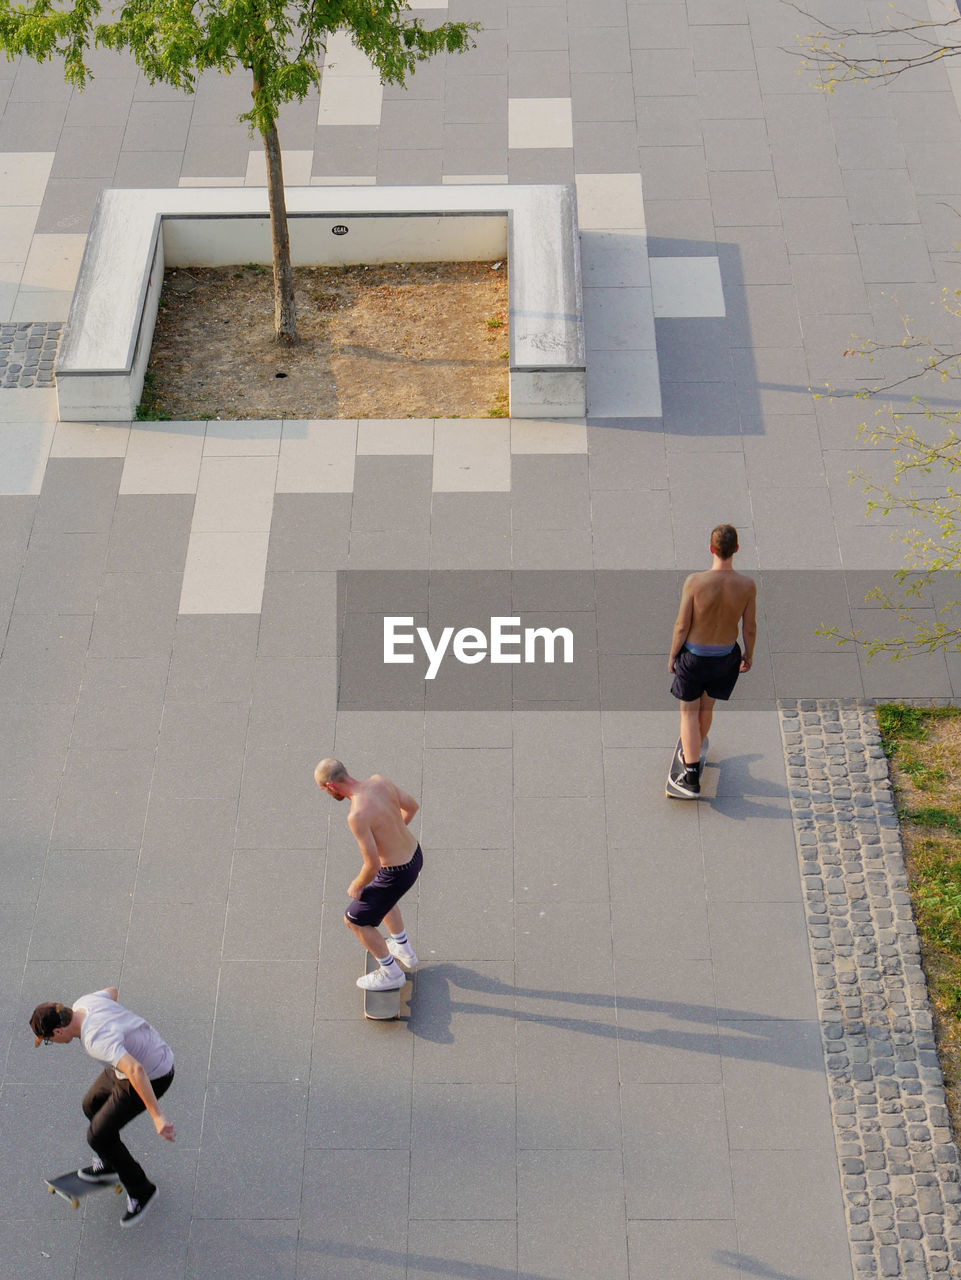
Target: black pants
{"points": [[109, 1105]]}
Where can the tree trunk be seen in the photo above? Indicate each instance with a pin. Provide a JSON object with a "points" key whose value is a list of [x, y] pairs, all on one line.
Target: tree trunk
{"points": [[285, 311]]}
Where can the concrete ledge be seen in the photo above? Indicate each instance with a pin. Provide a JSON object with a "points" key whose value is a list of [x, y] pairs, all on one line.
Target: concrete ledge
{"points": [[137, 233]]}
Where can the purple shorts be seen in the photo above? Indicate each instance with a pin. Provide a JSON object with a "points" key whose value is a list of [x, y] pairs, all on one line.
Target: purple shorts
{"points": [[694, 675], [384, 892]]}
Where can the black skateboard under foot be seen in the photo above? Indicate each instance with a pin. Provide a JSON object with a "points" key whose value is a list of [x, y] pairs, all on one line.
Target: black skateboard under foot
{"points": [[72, 1188], [672, 789]]}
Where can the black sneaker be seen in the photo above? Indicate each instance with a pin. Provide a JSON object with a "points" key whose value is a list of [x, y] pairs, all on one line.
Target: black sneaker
{"points": [[137, 1208], [685, 786], [98, 1173]]}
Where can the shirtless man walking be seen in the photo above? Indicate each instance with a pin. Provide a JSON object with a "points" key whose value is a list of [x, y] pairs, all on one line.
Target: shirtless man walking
{"points": [[379, 818], [706, 658]]}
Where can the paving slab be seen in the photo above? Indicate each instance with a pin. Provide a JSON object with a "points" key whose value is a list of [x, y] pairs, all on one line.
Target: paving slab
{"points": [[624, 1008]]}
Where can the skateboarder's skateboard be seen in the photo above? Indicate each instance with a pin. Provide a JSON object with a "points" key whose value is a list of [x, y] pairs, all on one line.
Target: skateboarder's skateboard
{"points": [[382, 1006], [675, 771], [73, 1188]]}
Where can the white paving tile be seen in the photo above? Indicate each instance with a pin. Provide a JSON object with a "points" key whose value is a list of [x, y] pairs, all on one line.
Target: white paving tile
{"points": [[317, 457], [615, 259], [539, 122], [24, 447], [610, 202], [395, 435], [472, 456], [623, 384], [233, 181], [163, 457], [541, 435], [297, 166], [17, 224], [343, 182], [53, 262], [350, 99], [235, 495], [473, 179], [90, 440], [242, 439], [28, 404], [23, 176], [41, 304], [685, 287], [618, 320], [224, 572]]}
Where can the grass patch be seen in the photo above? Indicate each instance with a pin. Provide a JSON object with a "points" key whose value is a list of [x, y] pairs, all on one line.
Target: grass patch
{"points": [[923, 746]]}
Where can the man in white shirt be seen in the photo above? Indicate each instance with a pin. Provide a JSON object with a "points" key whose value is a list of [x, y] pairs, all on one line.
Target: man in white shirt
{"points": [[138, 1070]]}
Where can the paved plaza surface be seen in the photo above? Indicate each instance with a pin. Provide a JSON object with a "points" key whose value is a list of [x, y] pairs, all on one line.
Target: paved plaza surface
{"points": [[648, 1039]]}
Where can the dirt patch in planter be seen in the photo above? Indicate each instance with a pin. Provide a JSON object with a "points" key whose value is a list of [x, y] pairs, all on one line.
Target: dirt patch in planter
{"points": [[411, 340]]}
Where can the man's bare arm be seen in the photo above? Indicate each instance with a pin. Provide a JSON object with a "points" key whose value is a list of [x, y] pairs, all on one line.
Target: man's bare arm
{"points": [[749, 629], [682, 626], [408, 805], [111, 992], [140, 1081], [362, 833]]}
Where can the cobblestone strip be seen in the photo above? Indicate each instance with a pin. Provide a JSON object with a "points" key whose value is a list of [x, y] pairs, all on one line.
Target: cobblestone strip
{"points": [[27, 352], [899, 1165]]}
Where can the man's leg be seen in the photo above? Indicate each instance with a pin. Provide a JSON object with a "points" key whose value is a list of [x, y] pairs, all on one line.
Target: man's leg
{"points": [[691, 731], [117, 1108], [705, 716], [372, 938]]}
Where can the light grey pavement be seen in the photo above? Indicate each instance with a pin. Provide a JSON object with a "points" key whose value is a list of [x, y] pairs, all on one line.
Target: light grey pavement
{"points": [[613, 1062]]}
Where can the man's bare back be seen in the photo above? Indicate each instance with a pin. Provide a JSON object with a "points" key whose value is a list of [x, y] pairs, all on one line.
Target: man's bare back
{"points": [[378, 806], [718, 603]]}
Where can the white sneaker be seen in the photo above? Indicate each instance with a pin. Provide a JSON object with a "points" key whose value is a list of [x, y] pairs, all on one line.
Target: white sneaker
{"points": [[404, 953], [381, 980]]}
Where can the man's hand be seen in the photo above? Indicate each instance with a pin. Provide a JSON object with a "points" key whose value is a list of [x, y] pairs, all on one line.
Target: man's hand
{"points": [[164, 1127], [356, 888], [670, 664], [746, 664]]}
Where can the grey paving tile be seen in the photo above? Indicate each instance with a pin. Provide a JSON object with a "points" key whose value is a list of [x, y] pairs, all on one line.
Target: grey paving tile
{"points": [[476, 99], [136, 615], [458, 1248], [43, 657], [88, 151], [201, 749], [335, 1182], [599, 50], [544, 73], [923, 167], [550, 549], [550, 839], [187, 850], [880, 195], [273, 912], [148, 121], [676, 173], [667, 122], [32, 126], [621, 457], [103, 101], [778, 988], [694, 348], [677, 1249], [447, 1119], [552, 164], [121, 702], [299, 614], [722, 48], [462, 1018], [588, 1006], [537, 28], [407, 167], [103, 799], [29, 1244], [579, 1114], [728, 95], [602, 96], [764, 1063], [763, 315], [470, 530], [99, 884], [267, 1247], [891, 254], [677, 1163], [557, 755], [149, 533], [411, 125], [307, 526], [275, 1118], [703, 410], [763, 869], [755, 255], [658, 26], [391, 493], [68, 204], [216, 150], [549, 493], [294, 702], [660, 73], [40, 82], [36, 1130], [278, 801], [769, 1234], [477, 775], [213, 658], [731, 145], [337, 1118], [261, 1034], [345, 150], [78, 496], [25, 827], [745, 199], [570, 1214]]}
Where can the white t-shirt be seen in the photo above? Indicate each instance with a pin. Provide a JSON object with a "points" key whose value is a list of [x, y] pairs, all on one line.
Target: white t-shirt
{"points": [[109, 1031]]}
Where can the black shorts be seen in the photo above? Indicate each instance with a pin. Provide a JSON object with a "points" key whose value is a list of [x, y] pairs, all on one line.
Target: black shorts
{"points": [[384, 892], [716, 677]]}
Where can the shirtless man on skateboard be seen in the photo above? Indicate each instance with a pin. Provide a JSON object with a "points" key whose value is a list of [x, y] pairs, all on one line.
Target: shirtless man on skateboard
{"points": [[705, 658], [379, 817]]}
